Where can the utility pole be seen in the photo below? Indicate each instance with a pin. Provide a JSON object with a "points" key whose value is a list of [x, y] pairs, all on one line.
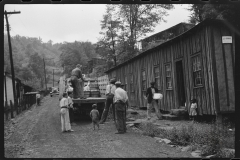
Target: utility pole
{"points": [[5, 82], [53, 78], [45, 74], [11, 58]]}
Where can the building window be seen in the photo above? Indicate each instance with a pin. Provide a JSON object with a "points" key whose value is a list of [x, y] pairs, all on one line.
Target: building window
{"points": [[125, 87], [131, 83], [168, 76], [197, 75], [144, 82], [156, 77]]}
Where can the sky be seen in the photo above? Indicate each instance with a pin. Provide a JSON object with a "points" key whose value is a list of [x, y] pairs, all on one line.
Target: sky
{"points": [[72, 22]]}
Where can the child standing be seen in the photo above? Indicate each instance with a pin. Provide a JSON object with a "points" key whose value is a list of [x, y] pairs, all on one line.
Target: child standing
{"points": [[94, 114], [193, 109]]}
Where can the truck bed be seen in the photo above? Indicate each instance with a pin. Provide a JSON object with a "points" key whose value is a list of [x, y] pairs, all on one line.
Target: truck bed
{"points": [[90, 100]]}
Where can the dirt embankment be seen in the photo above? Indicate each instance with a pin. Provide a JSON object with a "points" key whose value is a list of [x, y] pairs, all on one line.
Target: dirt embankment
{"points": [[36, 133]]}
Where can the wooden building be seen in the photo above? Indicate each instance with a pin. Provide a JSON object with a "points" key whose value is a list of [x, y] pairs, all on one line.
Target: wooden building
{"points": [[199, 64], [165, 35], [19, 86]]}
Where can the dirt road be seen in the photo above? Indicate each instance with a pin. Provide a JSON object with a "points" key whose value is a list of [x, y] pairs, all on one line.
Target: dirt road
{"points": [[36, 133]]}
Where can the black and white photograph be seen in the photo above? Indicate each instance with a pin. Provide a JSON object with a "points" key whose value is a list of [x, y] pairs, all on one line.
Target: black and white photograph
{"points": [[135, 80]]}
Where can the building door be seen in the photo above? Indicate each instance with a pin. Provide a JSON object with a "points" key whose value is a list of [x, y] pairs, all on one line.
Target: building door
{"points": [[180, 84]]}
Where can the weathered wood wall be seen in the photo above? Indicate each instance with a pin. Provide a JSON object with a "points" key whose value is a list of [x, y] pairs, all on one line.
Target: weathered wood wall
{"points": [[216, 94], [224, 59]]}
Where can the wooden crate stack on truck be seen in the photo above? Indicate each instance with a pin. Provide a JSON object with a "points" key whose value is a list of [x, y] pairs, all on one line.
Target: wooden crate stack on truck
{"points": [[84, 106]]}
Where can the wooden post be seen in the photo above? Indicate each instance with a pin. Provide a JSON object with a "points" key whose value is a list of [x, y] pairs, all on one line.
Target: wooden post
{"points": [[45, 74], [24, 102], [7, 109], [12, 109], [27, 101], [11, 57], [53, 77], [5, 80]]}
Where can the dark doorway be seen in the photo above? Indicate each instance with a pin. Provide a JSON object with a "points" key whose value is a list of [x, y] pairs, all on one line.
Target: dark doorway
{"points": [[180, 84]]}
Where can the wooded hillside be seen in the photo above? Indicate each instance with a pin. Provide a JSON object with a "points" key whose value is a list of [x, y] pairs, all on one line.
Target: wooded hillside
{"points": [[29, 52]]}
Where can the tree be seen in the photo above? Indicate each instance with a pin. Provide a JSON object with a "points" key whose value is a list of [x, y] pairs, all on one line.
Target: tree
{"points": [[34, 83], [228, 12], [73, 54], [196, 13], [123, 24], [26, 74], [139, 19], [106, 45], [36, 65], [27, 65]]}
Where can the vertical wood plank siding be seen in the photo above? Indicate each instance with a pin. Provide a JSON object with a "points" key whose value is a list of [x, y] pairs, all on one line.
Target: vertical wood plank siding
{"points": [[175, 100], [227, 49], [217, 68], [205, 72], [209, 52], [220, 69], [186, 66]]}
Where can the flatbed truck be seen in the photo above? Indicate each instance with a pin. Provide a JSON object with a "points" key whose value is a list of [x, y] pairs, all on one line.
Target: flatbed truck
{"points": [[84, 106]]}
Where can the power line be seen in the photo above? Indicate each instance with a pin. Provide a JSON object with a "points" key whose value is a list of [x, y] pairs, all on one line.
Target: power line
{"points": [[23, 23]]}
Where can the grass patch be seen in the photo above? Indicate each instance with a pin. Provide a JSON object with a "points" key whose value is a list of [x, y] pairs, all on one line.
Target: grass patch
{"points": [[210, 138], [149, 129]]}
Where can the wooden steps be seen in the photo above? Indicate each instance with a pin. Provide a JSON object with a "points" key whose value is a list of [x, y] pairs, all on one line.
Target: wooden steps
{"points": [[172, 117], [176, 114]]}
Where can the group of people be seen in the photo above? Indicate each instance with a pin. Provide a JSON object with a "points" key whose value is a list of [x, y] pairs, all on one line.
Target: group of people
{"points": [[116, 97]]}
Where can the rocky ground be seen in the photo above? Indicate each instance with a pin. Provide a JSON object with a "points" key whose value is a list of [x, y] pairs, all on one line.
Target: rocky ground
{"points": [[36, 133]]}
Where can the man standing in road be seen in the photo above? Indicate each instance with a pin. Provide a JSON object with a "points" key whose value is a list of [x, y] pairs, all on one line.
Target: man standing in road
{"points": [[127, 103], [77, 81], [120, 100], [38, 98], [110, 90], [152, 102], [70, 107]]}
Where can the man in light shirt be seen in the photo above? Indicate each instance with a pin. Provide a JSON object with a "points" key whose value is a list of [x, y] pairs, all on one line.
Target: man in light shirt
{"points": [[110, 90], [120, 102], [38, 96], [70, 105], [127, 103], [65, 122]]}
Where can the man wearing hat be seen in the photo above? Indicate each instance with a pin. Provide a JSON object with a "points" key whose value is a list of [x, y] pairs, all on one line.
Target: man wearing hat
{"points": [[77, 81], [120, 102], [152, 102], [127, 103], [110, 90]]}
